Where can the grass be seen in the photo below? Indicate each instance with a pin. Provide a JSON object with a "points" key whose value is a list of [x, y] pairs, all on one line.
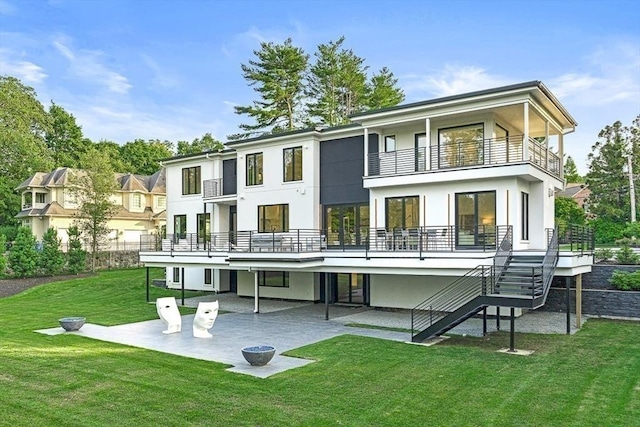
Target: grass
{"points": [[589, 379]]}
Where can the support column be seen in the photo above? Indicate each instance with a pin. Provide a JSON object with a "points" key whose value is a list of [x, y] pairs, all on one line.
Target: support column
{"points": [[366, 152], [427, 155], [568, 298], [484, 321], [546, 143], [256, 293], [561, 154], [579, 300], [326, 296], [182, 280], [525, 135], [147, 284], [497, 318], [512, 336]]}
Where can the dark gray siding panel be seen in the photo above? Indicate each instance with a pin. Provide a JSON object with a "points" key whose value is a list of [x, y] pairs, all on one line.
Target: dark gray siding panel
{"points": [[341, 170], [229, 178]]}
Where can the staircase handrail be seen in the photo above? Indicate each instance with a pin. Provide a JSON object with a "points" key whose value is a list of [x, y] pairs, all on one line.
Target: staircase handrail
{"points": [[504, 252], [550, 261]]}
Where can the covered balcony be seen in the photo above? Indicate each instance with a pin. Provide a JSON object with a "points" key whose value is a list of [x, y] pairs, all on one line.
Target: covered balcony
{"points": [[465, 154]]}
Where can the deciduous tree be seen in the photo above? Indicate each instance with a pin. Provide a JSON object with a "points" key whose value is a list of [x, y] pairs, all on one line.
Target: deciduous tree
{"points": [[277, 74], [199, 145], [93, 188], [64, 138], [143, 157]]}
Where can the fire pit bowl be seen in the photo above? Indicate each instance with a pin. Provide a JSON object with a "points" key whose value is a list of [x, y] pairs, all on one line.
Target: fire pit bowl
{"points": [[258, 355], [72, 323]]}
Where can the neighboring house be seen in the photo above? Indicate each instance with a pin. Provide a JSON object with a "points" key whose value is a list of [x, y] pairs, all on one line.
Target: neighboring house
{"points": [[48, 202], [406, 204], [578, 192]]}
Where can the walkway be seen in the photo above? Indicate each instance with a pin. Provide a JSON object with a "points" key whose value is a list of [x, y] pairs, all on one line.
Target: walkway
{"points": [[284, 325]]}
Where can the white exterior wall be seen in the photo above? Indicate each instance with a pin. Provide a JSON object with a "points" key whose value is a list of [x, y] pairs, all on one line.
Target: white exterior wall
{"points": [[303, 197], [403, 291], [302, 286]]}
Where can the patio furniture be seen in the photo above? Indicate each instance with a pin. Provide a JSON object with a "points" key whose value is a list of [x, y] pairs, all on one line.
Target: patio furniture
{"points": [[258, 355], [204, 319], [168, 312]]}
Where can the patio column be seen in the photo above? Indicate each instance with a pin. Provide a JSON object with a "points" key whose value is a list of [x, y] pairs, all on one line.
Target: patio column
{"points": [[427, 154], [147, 284], [567, 281], [546, 143], [561, 153], [256, 293], [578, 300], [525, 135], [326, 296], [366, 152]]}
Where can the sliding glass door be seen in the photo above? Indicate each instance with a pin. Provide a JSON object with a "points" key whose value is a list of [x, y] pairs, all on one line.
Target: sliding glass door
{"points": [[475, 219], [347, 225]]}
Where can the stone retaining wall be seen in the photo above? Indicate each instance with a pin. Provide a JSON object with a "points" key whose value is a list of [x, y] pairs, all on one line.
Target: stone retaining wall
{"points": [[599, 298], [115, 259]]}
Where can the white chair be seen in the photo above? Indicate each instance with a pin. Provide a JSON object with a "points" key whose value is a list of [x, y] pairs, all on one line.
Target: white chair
{"points": [[168, 311], [204, 319]]}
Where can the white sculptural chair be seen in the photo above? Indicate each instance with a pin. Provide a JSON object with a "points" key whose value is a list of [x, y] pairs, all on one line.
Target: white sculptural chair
{"points": [[205, 317], [168, 311]]}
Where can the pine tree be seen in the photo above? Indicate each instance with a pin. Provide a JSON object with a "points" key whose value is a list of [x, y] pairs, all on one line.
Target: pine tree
{"points": [[23, 256], [277, 74], [571, 171], [76, 256], [383, 90], [51, 260]]}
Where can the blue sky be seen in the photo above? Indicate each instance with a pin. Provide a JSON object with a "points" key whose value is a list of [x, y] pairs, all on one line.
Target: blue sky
{"points": [[171, 69]]}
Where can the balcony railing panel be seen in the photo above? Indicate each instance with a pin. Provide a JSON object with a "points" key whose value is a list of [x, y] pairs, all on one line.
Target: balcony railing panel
{"points": [[217, 188], [459, 154]]}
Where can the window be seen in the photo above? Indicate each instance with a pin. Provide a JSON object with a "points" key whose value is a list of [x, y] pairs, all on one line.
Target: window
{"points": [[273, 218], [254, 169], [180, 226], [402, 212], [292, 159], [461, 146], [390, 143], [203, 222], [41, 198], [275, 279], [136, 202], [207, 276], [191, 180], [525, 216], [476, 218], [162, 202], [176, 275]]}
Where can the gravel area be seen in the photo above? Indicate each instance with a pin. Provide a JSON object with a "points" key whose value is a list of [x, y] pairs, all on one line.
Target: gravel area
{"points": [[9, 287]]}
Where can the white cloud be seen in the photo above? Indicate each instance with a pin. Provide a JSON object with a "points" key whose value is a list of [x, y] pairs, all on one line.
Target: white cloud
{"points": [[87, 65], [162, 77], [451, 80], [26, 71]]}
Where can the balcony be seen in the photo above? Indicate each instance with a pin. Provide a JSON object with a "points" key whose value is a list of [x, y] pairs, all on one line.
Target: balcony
{"points": [[464, 154], [413, 242], [218, 188]]}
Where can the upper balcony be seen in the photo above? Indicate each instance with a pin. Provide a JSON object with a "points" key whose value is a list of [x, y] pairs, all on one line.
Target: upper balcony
{"points": [[219, 189], [464, 155]]}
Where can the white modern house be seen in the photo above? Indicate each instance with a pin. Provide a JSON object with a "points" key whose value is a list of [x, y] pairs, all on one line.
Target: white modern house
{"points": [[444, 206]]}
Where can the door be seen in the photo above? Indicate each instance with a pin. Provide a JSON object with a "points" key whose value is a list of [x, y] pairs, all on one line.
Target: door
{"points": [[420, 152], [233, 223], [475, 219], [204, 228], [347, 225], [350, 288]]}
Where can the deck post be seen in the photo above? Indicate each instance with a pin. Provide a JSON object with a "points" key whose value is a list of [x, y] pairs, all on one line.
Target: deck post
{"points": [[579, 301], [182, 280], [326, 296], [256, 299], [147, 284], [484, 321], [512, 337], [498, 318], [568, 285]]}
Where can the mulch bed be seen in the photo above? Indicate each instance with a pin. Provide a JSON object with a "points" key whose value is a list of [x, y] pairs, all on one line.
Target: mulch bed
{"points": [[10, 287]]}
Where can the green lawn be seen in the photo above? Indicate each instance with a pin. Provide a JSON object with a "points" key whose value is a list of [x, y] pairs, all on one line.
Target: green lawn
{"points": [[590, 379]]}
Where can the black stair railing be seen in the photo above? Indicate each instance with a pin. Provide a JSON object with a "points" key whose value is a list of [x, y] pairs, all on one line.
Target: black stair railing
{"points": [[473, 284], [550, 261], [504, 252]]}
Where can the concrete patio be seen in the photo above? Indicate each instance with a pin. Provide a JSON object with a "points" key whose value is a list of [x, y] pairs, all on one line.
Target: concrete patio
{"points": [[282, 324]]}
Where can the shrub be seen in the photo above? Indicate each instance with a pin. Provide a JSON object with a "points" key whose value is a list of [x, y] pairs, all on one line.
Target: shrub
{"points": [[603, 254], [625, 255], [626, 281], [51, 259], [3, 256], [76, 256], [607, 231], [632, 230], [23, 256]]}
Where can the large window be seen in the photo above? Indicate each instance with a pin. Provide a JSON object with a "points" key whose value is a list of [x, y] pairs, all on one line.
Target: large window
{"points": [[402, 212], [476, 218], [191, 180], [254, 169], [180, 226], [461, 146], [273, 218], [204, 227], [274, 279], [207, 276], [525, 216], [292, 160]]}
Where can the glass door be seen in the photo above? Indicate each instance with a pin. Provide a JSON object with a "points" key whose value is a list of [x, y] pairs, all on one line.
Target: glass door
{"points": [[475, 219], [204, 228], [346, 225], [350, 288]]}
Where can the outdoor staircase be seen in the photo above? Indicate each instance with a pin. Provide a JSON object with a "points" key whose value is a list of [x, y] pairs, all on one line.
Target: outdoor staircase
{"points": [[514, 280]]}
